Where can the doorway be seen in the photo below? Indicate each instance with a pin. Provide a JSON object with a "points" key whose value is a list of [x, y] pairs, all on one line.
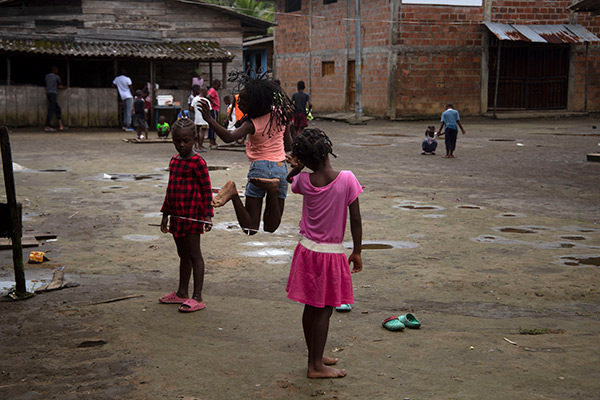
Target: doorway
{"points": [[532, 76]]}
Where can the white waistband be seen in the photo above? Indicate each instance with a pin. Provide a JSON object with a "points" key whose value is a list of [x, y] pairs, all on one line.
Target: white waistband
{"points": [[322, 247]]}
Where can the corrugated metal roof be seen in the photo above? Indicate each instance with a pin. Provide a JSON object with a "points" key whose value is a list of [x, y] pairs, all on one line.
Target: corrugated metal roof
{"points": [[541, 33], [587, 6], [185, 51]]}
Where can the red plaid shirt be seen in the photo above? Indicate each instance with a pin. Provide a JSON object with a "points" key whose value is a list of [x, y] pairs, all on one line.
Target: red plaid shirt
{"points": [[188, 194]]}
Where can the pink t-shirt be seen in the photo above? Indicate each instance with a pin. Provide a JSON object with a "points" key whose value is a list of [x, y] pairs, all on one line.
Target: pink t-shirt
{"points": [[214, 98], [260, 146], [325, 209]]}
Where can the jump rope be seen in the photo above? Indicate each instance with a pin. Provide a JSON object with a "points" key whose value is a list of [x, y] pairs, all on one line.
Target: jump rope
{"points": [[246, 230]]}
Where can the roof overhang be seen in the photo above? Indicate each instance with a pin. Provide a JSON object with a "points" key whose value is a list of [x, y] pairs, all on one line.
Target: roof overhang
{"points": [[556, 34], [182, 51], [592, 6]]}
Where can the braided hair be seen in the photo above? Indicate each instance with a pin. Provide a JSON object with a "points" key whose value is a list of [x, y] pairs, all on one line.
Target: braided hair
{"points": [[183, 123], [265, 97], [312, 147]]}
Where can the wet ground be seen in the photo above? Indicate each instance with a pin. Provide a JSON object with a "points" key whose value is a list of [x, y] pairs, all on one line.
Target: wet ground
{"points": [[500, 242]]}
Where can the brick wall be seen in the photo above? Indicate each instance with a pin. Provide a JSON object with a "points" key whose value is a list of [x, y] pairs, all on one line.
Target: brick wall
{"points": [[440, 61], [439, 52]]}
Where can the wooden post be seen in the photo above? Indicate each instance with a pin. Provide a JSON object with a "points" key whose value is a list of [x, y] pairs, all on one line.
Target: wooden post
{"points": [[210, 74], [587, 75], [152, 93], [14, 214], [7, 70], [224, 80], [497, 76]]}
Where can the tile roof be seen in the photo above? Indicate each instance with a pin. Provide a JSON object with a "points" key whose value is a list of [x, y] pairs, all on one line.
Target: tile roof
{"points": [[186, 51]]}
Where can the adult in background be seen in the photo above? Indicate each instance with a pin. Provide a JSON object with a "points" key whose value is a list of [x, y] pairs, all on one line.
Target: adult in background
{"points": [[53, 83], [215, 103], [123, 85]]}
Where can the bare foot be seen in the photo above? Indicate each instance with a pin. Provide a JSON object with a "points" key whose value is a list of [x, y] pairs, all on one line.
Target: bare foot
{"points": [[446, 156], [326, 372], [330, 361], [228, 191], [270, 185]]}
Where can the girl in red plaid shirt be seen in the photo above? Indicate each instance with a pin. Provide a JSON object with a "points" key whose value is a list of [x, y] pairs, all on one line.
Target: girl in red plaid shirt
{"points": [[188, 204]]}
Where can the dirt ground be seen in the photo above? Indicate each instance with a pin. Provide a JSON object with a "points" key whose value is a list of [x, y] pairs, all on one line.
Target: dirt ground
{"points": [[501, 241]]}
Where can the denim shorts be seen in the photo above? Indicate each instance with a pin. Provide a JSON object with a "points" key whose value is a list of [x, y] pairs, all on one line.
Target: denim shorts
{"points": [[267, 169]]}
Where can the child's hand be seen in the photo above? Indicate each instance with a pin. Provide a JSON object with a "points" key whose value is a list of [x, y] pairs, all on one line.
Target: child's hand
{"points": [[208, 224], [204, 107], [163, 224], [293, 161], [356, 260]]}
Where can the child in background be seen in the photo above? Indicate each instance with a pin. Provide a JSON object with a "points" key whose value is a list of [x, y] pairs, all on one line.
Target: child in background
{"points": [[300, 100], [187, 203], [451, 120], [139, 115], [430, 143], [215, 103], [265, 126], [201, 124], [320, 272], [162, 128], [230, 121]]}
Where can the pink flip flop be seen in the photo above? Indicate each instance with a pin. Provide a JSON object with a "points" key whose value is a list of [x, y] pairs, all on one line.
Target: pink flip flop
{"points": [[192, 305], [172, 298]]}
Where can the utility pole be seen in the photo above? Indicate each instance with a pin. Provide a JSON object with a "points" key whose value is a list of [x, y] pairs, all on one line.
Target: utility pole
{"points": [[358, 64]]}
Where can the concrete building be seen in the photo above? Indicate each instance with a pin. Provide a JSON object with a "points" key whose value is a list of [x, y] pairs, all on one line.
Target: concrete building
{"points": [[417, 55]]}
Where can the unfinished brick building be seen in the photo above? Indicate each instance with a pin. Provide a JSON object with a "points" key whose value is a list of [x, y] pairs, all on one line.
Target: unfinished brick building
{"points": [[417, 55]]}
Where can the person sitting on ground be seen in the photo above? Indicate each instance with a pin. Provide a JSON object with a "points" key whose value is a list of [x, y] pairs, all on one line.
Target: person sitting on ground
{"points": [[268, 138], [162, 128], [430, 143]]}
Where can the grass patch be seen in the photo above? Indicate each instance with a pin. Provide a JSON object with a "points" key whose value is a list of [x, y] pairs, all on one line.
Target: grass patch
{"points": [[540, 331]]}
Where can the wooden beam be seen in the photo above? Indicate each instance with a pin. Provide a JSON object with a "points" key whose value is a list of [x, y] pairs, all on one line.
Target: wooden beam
{"points": [[14, 214]]}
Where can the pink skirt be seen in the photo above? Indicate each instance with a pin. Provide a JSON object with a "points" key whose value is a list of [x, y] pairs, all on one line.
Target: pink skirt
{"points": [[319, 279]]}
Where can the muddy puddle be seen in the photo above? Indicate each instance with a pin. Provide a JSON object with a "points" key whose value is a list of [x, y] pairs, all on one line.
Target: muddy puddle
{"points": [[580, 260], [469, 207], [522, 229], [132, 177], [390, 135], [511, 215], [414, 205], [20, 168], [501, 140], [383, 245], [140, 238], [537, 244]]}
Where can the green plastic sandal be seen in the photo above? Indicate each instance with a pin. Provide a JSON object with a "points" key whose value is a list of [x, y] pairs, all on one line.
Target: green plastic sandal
{"points": [[393, 324], [410, 321]]}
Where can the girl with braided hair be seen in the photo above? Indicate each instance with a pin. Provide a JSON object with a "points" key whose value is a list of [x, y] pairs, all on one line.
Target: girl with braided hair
{"points": [[265, 126], [320, 272], [187, 203]]}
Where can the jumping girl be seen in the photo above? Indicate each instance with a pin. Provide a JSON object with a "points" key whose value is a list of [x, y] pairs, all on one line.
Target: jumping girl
{"points": [[187, 203], [320, 273], [265, 125]]}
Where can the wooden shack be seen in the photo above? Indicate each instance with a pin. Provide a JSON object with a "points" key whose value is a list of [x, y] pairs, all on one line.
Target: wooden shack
{"points": [[158, 41]]}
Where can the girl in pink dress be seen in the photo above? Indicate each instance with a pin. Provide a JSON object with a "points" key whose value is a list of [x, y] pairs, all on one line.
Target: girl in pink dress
{"points": [[320, 273]]}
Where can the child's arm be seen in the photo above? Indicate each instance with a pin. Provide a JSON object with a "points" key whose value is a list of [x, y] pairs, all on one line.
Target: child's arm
{"points": [[163, 223], [356, 230], [287, 139], [440, 133], [296, 165], [461, 127], [227, 136], [205, 193]]}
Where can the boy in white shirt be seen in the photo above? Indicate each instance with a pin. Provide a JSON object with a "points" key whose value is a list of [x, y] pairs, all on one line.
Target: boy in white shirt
{"points": [[201, 124]]}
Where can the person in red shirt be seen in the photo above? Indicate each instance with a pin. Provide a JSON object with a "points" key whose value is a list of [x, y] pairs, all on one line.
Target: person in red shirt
{"points": [[215, 102]]}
